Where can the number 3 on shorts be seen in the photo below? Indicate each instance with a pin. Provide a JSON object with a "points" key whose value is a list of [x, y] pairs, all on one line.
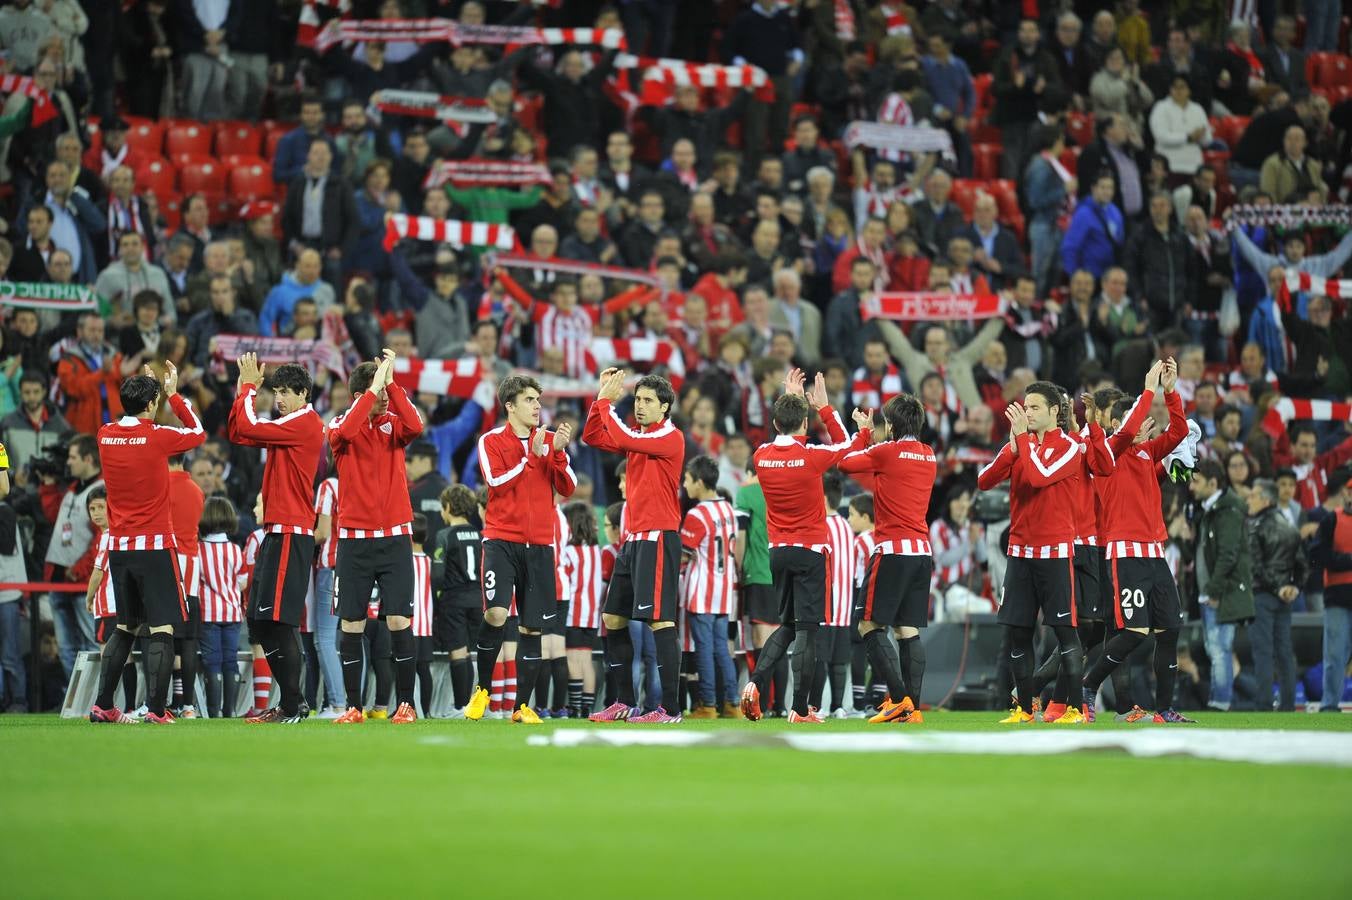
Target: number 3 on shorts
{"points": [[490, 579]]}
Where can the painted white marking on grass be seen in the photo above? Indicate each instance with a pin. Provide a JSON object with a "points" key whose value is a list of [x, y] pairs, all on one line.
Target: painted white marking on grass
{"points": [[1267, 747]]}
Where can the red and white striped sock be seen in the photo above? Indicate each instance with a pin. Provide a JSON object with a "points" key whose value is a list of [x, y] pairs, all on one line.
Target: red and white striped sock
{"points": [[495, 692], [262, 681], [509, 685]]}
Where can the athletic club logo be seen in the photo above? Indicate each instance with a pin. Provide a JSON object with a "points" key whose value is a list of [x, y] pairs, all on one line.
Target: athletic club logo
{"points": [[1126, 612], [1047, 454], [387, 428], [490, 593]]}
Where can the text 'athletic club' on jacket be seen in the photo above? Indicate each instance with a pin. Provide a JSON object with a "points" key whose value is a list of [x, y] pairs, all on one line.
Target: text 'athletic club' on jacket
{"points": [[654, 455], [369, 454], [295, 443], [1042, 490], [134, 454], [790, 472], [521, 486]]}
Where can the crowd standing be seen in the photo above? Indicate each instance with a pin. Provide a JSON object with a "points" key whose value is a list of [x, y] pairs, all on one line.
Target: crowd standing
{"points": [[1133, 182]]}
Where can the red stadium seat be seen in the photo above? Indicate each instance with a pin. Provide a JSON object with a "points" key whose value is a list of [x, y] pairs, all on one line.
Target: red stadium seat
{"points": [[193, 138], [222, 210], [92, 158], [1007, 197], [171, 208], [529, 111], [986, 160], [182, 160], [253, 182], [964, 194], [159, 177], [202, 176], [1230, 129], [146, 138], [1331, 70], [273, 132], [242, 160], [238, 139]]}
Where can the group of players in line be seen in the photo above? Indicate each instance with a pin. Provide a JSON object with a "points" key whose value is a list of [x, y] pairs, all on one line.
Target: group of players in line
{"points": [[1086, 532]]}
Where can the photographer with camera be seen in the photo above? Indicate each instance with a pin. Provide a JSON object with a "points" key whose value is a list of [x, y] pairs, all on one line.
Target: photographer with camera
{"points": [[34, 433], [64, 505]]}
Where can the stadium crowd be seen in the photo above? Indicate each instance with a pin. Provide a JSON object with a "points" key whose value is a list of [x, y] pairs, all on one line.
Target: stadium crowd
{"points": [[953, 198]]}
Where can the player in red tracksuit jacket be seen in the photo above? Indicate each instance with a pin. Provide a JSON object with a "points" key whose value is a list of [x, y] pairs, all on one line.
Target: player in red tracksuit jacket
{"points": [[1145, 594], [1042, 464], [375, 524], [902, 561], [790, 472], [523, 466], [142, 565], [644, 585], [294, 442]]}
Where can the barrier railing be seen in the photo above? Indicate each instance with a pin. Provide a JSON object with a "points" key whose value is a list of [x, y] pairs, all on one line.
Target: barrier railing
{"points": [[29, 588]]}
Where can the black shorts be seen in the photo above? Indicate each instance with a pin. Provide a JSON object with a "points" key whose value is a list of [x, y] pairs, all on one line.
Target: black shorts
{"points": [[148, 588], [833, 646], [282, 578], [527, 570], [580, 639], [800, 584], [896, 590], [190, 629], [557, 621], [1039, 584], [364, 563], [461, 628], [644, 584], [761, 603], [511, 630], [103, 628], [1088, 586], [1145, 594]]}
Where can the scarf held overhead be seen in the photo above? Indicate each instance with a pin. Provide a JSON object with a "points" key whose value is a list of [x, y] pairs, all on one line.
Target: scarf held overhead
{"points": [[448, 231], [923, 306], [485, 173]]}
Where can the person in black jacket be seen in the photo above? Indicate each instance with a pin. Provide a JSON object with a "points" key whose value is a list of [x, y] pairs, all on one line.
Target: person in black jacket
{"points": [[1120, 150], [1158, 262], [703, 128], [373, 74], [319, 210], [1080, 336], [1279, 568], [573, 99], [764, 35]]}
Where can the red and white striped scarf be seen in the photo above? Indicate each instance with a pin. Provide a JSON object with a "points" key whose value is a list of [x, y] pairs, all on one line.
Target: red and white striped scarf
{"points": [[844, 20], [923, 306], [307, 32], [894, 19], [433, 30], [871, 392], [43, 108], [1287, 409], [123, 219], [663, 76], [426, 104], [452, 231], [648, 351], [569, 267], [894, 133], [484, 173], [1305, 283], [443, 377]]}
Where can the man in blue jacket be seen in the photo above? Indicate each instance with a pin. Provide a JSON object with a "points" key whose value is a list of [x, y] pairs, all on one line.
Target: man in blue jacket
{"points": [[294, 146], [1094, 239]]}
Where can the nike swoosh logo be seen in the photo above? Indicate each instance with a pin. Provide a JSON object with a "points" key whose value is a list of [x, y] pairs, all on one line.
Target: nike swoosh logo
{"points": [[351, 662], [547, 618], [404, 659], [531, 658], [264, 608], [1016, 656], [649, 606], [1062, 615]]}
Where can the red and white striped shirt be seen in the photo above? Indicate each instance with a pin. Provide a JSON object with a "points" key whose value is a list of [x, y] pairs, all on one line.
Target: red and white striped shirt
{"points": [[583, 564], [223, 576], [872, 391], [562, 535], [863, 549], [954, 555], [105, 604], [422, 595], [709, 582], [326, 504], [570, 332], [840, 574]]}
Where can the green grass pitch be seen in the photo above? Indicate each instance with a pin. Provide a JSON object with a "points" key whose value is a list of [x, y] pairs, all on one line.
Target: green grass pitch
{"points": [[458, 809]]}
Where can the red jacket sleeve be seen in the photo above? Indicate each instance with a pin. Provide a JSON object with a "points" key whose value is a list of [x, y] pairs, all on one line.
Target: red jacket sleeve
{"points": [[594, 432], [178, 440], [244, 427], [561, 469], [835, 426], [1042, 472], [662, 443], [353, 420], [1101, 460], [1161, 446], [496, 470], [997, 470], [859, 462], [822, 457], [410, 423], [1122, 438]]}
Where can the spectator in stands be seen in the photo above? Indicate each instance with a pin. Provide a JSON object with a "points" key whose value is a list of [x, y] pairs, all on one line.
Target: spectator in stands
{"points": [[293, 150], [1048, 187], [371, 205], [262, 264], [704, 128], [1073, 63], [1180, 128], [939, 356], [1313, 469], [178, 267], [1118, 148], [1181, 57], [196, 228], [223, 316], [1097, 231], [1026, 328], [756, 330], [1265, 136], [75, 220], [572, 98], [1283, 64], [842, 90], [64, 505], [1318, 336], [69, 150], [636, 247], [132, 274], [374, 71], [32, 429], [90, 372], [216, 261], [1241, 80], [358, 145], [995, 249], [320, 212], [1081, 336], [1156, 259], [789, 311], [23, 29], [1200, 192], [29, 260], [764, 35], [1116, 89], [1224, 580], [206, 58], [805, 153], [303, 281], [950, 84], [1325, 265], [936, 218], [846, 333], [1023, 73], [1290, 176], [128, 212], [1121, 318], [1209, 261]]}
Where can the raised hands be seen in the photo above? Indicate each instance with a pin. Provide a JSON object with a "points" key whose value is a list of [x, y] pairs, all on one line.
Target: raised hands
{"points": [[1090, 410], [384, 371], [1018, 419], [612, 385], [250, 370], [170, 378], [862, 418], [793, 382], [817, 396], [1169, 378], [1152, 378], [563, 435]]}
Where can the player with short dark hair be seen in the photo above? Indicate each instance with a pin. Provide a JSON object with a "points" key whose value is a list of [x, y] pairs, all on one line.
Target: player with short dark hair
{"points": [[644, 585], [144, 579], [1041, 464], [902, 562], [523, 466], [374, 528], [282, 571], [790, 472]]}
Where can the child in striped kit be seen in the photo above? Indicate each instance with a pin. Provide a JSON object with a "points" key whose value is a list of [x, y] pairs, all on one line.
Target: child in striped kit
{"points": [[99, 598], [582, 565], [222, 578], [422, 614]]}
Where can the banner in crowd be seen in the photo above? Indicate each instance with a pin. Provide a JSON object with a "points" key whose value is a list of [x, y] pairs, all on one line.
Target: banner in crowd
{"points": [[443, 377], [1305, 283], [568, 267], [485, 173], [39, 295], [663, 76], [923, 306], [448, 231], [1287, 409], [649, 352], [1292, 216], [314, 355], [898, 138], [427, 105], [43, 108], [426, 31]]}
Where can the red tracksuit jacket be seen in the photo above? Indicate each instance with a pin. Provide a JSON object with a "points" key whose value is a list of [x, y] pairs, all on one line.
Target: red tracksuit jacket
{"points": [[790, 472], [369, 454], [1134, 522], [134, 454], [904, 472], [1043, 485], [652, 472], [295, 443], [521, 486]]}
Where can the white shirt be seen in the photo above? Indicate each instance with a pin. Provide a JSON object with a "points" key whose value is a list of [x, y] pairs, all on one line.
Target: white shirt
{"points": [[1171, 126]]}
